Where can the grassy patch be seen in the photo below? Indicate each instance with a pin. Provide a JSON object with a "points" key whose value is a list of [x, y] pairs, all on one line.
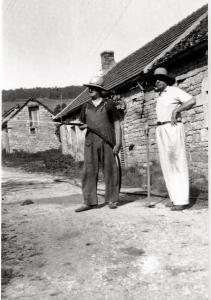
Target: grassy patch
{"points": [[136, 176], [132, 177], [54, 162], [51, 161]]}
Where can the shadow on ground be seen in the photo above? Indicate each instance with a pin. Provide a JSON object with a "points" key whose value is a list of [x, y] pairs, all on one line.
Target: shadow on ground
{"points": [[12, 186]]}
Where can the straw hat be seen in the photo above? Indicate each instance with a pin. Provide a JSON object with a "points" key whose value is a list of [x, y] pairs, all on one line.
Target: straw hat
{"points": [[97, 82], [161, 73]]}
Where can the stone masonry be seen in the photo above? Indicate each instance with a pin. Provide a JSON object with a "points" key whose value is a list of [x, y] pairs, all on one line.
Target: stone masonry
{"points": [[20, 137], [191, 77]]}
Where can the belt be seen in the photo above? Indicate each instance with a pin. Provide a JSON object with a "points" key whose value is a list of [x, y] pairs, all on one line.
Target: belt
{"points": [[162, 123]]}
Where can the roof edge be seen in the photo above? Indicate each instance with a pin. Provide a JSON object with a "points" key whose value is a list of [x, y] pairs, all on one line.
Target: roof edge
{"points": [[61, 113], [20, 108], [170, 47]]}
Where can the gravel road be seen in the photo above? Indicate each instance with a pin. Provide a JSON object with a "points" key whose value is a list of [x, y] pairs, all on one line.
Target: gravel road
{"points": [[130, 253]]}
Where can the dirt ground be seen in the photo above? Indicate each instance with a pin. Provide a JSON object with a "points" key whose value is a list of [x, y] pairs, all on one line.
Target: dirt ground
{"points": [[132, 252]]}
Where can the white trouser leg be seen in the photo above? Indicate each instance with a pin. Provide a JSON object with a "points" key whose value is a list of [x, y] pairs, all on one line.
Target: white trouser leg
{"points": [[173, 160]]}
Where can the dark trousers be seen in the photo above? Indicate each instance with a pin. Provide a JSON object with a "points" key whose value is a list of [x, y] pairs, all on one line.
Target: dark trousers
{"points": [[98, 152]]}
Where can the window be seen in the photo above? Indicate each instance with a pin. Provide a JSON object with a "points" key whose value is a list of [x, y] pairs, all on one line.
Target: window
{"points": [[34, 118]]}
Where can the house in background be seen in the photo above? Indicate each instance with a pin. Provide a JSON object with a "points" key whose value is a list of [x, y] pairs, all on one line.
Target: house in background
{"points": [[28, 126], [182, 49]]}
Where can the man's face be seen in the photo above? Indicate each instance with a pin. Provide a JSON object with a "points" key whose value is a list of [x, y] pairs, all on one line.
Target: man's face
{"points": [[94, 93], [160, 85]]}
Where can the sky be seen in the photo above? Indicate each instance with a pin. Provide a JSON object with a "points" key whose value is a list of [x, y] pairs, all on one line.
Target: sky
{"points": [[57, 43]]}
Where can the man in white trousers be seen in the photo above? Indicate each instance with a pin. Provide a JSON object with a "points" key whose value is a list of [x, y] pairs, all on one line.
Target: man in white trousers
{"points": [[171, 137]]}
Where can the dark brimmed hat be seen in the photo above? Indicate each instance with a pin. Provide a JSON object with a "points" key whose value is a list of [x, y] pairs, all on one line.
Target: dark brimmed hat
{"points": [[96, 82], [161, 73]]}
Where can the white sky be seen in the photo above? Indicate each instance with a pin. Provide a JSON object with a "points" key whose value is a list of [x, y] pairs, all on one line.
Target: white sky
{"points": [[50, 43]]}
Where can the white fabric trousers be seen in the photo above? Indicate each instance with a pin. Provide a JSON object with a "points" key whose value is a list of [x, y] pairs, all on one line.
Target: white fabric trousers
{"points": [[173, 160]]}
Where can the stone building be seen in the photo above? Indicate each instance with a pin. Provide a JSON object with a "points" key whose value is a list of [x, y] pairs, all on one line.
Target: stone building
{"points": [[182, 49], [28, 127]]}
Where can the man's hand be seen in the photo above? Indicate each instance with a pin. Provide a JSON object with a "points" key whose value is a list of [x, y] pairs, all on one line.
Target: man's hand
{"points": [[118, 134], [184, 106], [116, 149], [174, 118], [82, 127]]}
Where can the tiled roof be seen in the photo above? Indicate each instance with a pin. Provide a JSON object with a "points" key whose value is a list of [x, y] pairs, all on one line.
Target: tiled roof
{"points": [[10, 110], [135, 63], [9, 105], [7, 116], [196, 37]]}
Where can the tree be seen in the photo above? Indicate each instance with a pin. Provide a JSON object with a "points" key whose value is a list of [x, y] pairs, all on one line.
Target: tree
{"points": [[59, 108]]}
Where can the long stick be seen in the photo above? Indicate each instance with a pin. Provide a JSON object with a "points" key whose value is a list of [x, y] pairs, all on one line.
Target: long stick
{"points": [[147, 145], [148, 165]]}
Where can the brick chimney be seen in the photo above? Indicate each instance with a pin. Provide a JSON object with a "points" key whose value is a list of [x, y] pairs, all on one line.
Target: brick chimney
{"points": [[107, 60]]}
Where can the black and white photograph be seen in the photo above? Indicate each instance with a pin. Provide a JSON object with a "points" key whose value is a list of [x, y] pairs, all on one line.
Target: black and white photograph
{"points": [[104, 161]]}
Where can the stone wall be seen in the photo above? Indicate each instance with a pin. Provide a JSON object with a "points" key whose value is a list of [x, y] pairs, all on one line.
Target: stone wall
{"points": [[192, 77], [21, 138]]}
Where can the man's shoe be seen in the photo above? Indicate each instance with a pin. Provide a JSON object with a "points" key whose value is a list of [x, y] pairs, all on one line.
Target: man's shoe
{"points": [[169, 204], [178, 207], [86, 207], [112, 205]]}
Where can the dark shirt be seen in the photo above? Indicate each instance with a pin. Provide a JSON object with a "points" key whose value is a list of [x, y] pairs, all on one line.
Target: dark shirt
{"points": [[101, 119]]}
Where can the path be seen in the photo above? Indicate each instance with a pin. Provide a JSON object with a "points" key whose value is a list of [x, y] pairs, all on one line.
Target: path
{"points": [[133, 252]]}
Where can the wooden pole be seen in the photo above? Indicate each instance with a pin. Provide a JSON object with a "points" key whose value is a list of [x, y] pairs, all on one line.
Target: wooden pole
{"points": [[148, 163], [148, 146], [61, 103]]}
